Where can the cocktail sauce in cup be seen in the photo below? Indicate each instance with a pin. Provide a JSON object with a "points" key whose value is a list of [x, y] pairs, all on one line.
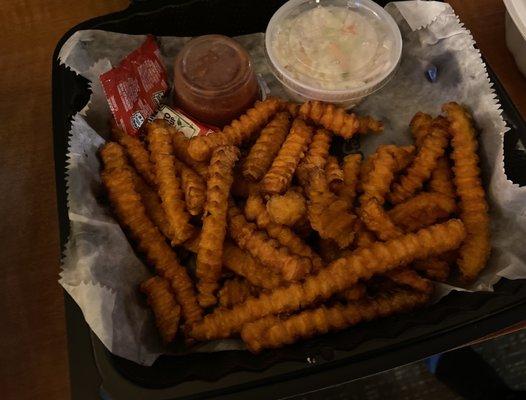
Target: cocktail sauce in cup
{"points": [[339, 51], [214, 80]]}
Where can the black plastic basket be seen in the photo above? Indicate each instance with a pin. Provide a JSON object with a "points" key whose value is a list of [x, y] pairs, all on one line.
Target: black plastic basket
{"points": [[328, 360]]}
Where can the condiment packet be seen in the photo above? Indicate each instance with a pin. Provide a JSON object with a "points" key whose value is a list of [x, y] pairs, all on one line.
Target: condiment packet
{"points": [[135, 87], [183, 122]]}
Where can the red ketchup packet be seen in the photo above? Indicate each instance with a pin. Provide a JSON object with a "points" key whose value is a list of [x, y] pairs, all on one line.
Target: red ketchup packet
{"points": [[136, 86]]}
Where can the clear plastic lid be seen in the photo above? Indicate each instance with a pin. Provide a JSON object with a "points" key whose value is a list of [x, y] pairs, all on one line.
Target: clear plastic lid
{"points": [[333, 50]]}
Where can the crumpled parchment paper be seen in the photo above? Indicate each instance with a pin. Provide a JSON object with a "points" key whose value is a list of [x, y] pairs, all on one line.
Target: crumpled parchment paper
{"points": [[100, 269]]}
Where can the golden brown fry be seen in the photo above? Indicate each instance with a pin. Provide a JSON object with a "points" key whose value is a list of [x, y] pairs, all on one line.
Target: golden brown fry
{"points": [[273, 332], [473, 206], [378, 177], [420, 126], [422, 210], [239, 130], [377, 220], [328, 214], [410, 278], [180, 145], [351, 176], [288, 208], [167, 312], [153, 206], [335, 119], [194, 187], [115, 159], [266, 250], [378, 170], [137, 153], [255, 211], [369, 124], [403, 156], [243, 264], [279, 176], [343, 273], [334, 174], [292, 108], [356, 292], [316, 157], [267, 146], [130, 211], [209, 256], [426, 160], [441, 180], [434, 268], [168, 181], [234, 291]]}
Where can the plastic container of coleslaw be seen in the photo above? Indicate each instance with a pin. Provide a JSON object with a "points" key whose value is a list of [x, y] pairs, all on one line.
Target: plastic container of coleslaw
{"points": [[338, 51]]}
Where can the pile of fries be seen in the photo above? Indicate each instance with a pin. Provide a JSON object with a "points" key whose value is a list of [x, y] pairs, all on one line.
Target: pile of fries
{"points": [[291, 241]]}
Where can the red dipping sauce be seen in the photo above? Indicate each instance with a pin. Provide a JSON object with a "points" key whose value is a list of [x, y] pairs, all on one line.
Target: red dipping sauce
{"points": [[214, 80]]}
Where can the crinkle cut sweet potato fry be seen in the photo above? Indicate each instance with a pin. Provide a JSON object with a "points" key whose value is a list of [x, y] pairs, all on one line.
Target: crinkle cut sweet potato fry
{"points": [[343, 273], [244, 265], [239, 130], [180, 146], [291, 107], [154, 208], [420, 127], [380, 173], [335, 119], [137, 153], [167, 312], [316, 157], [267, 251], [132, 214], [334, 174], [234, 291], [369, 125], [432, 149], [255, 210], [194, 187], [274, 332], [114, 158], [422, 210], [328, 214], [266, 147], [210, 253], [378, 221], [473, 206], [279, 176], [408, 277], [356, 292], [351, 176], [441, 180], [287, 208], [169, 182]]}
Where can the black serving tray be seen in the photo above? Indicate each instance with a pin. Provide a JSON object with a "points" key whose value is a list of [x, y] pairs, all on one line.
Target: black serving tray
{"points": [[324, 361]]}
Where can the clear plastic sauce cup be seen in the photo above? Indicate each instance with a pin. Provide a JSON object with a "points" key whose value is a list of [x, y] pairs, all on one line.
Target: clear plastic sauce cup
{"points": [[214, 80], [338, 51]]}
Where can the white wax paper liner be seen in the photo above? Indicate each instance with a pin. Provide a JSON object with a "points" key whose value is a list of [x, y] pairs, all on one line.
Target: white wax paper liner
{"points": [[100, 269]]}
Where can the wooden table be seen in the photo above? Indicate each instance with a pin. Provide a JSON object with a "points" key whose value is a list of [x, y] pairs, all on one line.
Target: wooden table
{"points": [[33, 361]]}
